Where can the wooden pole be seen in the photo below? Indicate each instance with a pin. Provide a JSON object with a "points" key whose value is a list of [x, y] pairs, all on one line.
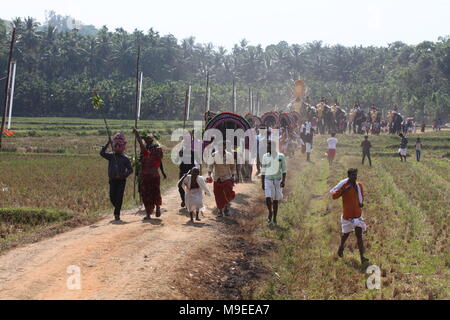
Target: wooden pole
{"points": [[186, 104], [141, 80], [11, 95], [233, 101], [188, 117], [258, 104], [138, 60], [207, 93], [7, 87], [209, 99], [253, 103], [250, 99], [9, 81]]}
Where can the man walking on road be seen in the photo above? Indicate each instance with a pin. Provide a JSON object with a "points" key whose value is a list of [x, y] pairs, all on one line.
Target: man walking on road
{"points": [[223, 168], [119, 169], [352, 194], [274, 171]]}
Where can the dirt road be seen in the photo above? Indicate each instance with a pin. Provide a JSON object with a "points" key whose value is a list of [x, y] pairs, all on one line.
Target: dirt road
{"points": [[135, 260]]}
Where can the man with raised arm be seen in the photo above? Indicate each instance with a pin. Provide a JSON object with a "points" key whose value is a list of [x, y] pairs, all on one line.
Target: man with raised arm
{"points": [[150, 180], [119, 169], [352, 194]]}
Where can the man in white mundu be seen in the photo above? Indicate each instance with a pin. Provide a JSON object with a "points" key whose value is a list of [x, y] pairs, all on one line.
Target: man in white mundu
{"points": [[274, 171]]}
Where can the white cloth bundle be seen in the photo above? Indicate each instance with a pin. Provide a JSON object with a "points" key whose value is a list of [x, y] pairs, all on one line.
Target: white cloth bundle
{"points": [[342, 183]]}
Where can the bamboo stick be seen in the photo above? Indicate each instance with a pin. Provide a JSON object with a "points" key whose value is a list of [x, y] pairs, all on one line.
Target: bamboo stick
{"points": [[11, 50], [136, 116], [11, 95]]}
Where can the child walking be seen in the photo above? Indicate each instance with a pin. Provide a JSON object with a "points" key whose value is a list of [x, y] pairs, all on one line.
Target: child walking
{"points": [[194, 186]]}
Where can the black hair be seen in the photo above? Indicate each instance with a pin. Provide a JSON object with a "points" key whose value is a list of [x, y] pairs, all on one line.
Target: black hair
{"points": [[352, 170]]}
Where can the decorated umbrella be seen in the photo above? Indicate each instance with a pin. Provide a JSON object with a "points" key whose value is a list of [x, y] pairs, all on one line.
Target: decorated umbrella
{"points": [[270, 119], [285, 121], [228, 120], [253, 120]]}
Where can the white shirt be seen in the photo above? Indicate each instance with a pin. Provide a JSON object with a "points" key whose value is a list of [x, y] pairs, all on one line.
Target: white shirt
{"points": [[419, 146], [332, 142]]}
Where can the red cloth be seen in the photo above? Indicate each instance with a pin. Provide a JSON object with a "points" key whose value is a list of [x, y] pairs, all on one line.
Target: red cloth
{"points": [[8, 133], [223, 192], [151, 192], [331, 154], [151, 159]]}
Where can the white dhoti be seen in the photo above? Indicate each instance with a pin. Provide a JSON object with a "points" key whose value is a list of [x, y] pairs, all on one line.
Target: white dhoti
{"points": [[402, 152], [273, 189], [349, 226], [309, 147]]}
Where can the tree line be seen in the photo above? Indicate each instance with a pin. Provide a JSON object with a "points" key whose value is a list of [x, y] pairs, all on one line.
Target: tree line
{"points": [[59, 69]]}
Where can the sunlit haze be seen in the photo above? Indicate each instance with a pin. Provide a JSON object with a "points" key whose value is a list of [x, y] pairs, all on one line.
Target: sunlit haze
{"points": [[347, 22]]}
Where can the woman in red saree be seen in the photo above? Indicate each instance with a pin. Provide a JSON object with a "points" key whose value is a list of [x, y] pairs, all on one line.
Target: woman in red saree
{"points": [[150, 181]]}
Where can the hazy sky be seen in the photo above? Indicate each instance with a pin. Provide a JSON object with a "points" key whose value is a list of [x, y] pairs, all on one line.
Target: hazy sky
{"points": [[226, 22]]}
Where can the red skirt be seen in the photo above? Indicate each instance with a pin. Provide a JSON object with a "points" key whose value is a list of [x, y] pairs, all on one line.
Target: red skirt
{"points": [[331, 154], [150, 191], [224, 194]]}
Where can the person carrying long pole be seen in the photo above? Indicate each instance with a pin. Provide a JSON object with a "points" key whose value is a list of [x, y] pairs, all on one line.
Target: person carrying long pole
{"points": [[150, 180]]}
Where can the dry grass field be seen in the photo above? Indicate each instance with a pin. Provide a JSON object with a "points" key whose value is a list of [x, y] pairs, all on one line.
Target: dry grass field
{"points": [[407, 211], [55, 179]]}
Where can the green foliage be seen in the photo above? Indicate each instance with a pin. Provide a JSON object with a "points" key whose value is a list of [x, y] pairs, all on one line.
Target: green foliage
{"points": [[60, 67], [97, 102]]}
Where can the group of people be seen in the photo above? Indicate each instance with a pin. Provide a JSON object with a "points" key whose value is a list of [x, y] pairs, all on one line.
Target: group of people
{"points": [[149, 165], [437, 124], [403, 151], [366, 147], [301, 137], [192, 185], [272, 169]]}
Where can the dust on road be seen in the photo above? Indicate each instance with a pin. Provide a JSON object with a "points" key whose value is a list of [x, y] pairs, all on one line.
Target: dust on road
{"points": [[136, 260]]}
